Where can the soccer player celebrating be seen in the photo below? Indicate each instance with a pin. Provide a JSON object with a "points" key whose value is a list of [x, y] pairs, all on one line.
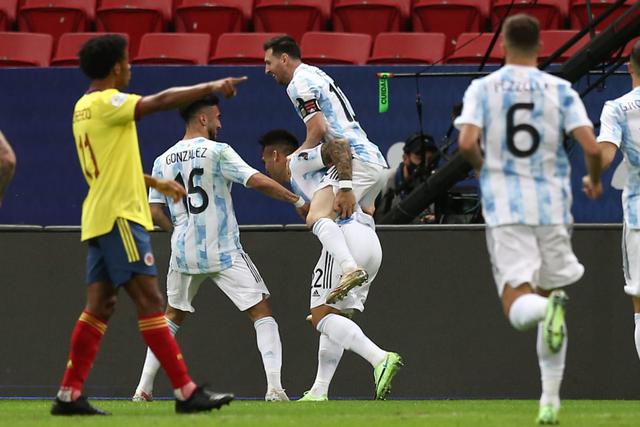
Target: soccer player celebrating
{"points": [[115, 217], [520, 115], [327, 114], [7, 165], [304, 171], [620, 128], [206, 240]]}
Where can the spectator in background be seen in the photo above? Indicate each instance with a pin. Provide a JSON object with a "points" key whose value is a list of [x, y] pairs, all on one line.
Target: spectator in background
{"points": [[7, 165]]}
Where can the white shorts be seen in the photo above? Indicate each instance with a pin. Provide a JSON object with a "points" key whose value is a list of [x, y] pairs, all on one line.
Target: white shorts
{"points": [[368, 181], [363, 243], [630, 261], [541, 256], [241, 282]]}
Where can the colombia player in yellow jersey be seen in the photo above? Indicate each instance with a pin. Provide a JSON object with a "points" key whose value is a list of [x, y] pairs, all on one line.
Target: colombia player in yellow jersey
{"points": [[115, 220]]}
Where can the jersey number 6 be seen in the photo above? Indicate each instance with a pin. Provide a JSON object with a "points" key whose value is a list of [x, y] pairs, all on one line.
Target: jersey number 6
{"points": [[523, 127], [194, 189]]}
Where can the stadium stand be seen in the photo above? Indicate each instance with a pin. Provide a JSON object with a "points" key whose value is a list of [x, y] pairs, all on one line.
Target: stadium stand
{"points": [[56, 17], [293, 17], [451, 17], [213, 18], [552, 40], [133, 17], [173, 48], [550, 13], [370, 16], [578, 12], [25, 49], [471, 48], [408, 48], [335, 48], [8, 9], [241, 48], [69, 45]]}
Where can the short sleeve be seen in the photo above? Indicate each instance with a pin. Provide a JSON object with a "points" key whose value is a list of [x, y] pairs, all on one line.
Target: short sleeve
{"points": [[472, 107], [610, 129], [305, 96], [574, 112], [154, 195], [119, 108], [234, 168], [307, 160]]}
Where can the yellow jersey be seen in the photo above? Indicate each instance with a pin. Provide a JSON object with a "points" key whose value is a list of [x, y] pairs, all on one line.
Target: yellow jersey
{"points": [[105, 134]]}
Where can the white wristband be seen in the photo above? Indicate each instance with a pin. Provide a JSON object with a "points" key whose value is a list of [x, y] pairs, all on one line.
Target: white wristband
{"points": [[345, 184], [299, 203]]}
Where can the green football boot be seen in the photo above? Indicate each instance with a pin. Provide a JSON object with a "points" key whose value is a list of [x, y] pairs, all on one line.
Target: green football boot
{"points": [[384, 373], [547, 415], [308, 397], [554, 321]]}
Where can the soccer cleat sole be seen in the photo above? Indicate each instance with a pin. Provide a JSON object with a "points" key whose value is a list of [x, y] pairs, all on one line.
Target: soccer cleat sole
{"points": [[349, 281], [386, 389], [554, 322]]}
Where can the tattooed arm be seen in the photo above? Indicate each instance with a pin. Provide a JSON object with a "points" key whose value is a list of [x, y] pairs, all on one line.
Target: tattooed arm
{"points": [[338, 153]]}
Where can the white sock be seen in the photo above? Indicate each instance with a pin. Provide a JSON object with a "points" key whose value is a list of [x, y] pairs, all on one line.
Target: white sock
{"points": [[270, 348], [152, 365], [551, 369], [527, 310], [349, 336], [332, 239], [329, 355], [637, 334]]}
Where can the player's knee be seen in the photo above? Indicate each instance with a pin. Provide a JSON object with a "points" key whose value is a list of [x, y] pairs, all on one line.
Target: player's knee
{"points": [[259, 311], [104, 308], [150, 302]]}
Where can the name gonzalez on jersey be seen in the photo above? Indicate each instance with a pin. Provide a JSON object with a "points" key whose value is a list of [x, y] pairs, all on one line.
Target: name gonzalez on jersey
{"points": [[183, 156]]}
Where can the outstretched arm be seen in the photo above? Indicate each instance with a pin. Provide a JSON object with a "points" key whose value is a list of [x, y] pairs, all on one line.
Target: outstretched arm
{"points": [[178, 96], [316, 130], [271, 188], [7, 165]]}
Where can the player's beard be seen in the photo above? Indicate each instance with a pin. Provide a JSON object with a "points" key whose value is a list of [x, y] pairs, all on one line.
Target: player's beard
{"points": [[212, 133]]}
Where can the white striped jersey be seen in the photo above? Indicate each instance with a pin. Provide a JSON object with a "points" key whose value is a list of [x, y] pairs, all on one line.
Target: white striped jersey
{"points": [[205, 238], [312, 91], [620, 125], [524, 114], [307, 170]]}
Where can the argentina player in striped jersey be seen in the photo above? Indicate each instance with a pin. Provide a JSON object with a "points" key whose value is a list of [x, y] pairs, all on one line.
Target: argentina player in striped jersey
{"points": [[205, 242], [520, 115], [327, 114], [620, 129], [305, 171]]}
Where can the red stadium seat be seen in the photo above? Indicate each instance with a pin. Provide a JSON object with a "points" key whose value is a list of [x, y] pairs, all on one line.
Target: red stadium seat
{"points": [[69, 45], [578, 12], [408, 48], [293, 17], [56, 17], [335, 48], [133, 17], [173, 48], [370, 16], [241, 48], [550, 13], [213, 17], [451, 17], [471, 48], [7, 14], [552, 40], [25, 49]]}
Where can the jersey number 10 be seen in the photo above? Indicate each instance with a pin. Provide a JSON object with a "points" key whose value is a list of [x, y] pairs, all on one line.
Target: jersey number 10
{"points": [[194, 189]]}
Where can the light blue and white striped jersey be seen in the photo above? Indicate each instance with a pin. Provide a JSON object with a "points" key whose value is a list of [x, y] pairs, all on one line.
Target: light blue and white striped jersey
{"points": [[620, 125], [524, 114], [205, 236], [307, 170], [312, 91]]}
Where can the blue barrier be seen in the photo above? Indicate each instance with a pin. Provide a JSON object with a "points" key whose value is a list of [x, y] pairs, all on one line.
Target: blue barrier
{"points": [[36, 106]]}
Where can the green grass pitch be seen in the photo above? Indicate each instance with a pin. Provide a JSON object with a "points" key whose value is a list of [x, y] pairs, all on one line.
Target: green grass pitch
{"points": [[424, 413]]}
